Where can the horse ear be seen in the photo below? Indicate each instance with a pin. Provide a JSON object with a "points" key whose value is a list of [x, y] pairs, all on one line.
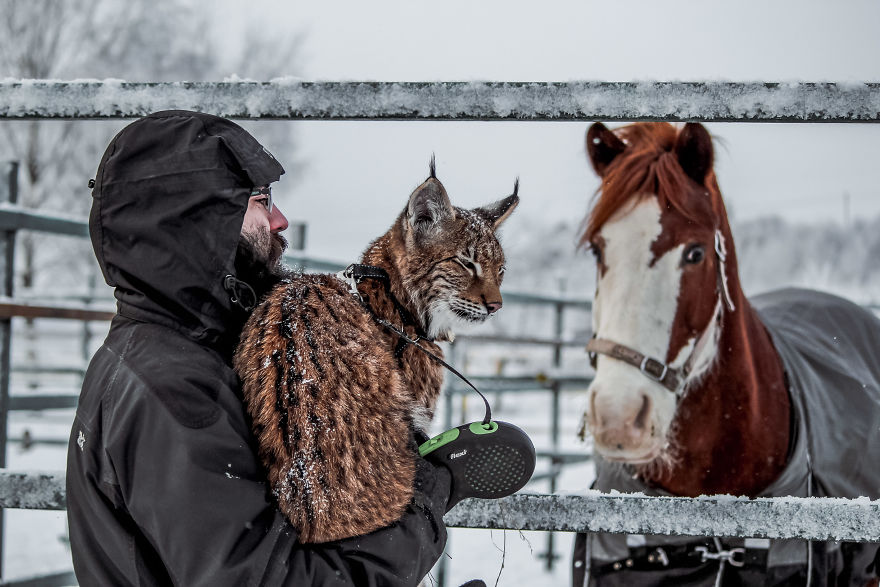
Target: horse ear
{"points": [[602, 147], [428, 207], [693, 148]]}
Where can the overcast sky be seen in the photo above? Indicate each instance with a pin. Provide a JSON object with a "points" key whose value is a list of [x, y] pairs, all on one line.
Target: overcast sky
{"points": [[355, 176]]}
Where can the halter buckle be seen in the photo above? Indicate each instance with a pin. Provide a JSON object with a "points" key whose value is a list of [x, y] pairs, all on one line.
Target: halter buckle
{"points": [[347, 276], [655, 365]]}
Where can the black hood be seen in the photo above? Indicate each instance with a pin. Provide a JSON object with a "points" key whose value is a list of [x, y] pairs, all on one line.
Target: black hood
{"points": [[168, 204]]}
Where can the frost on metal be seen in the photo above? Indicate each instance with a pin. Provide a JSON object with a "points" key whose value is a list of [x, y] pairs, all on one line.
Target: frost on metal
{"points": [[32, 490], [811, 518], [855, 520], [288, 98]]}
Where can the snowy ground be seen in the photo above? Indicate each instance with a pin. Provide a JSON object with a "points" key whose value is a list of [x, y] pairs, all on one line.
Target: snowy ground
{"points": [[35, 541]]}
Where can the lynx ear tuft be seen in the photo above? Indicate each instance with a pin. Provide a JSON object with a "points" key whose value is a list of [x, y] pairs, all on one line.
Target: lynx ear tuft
{"points": [[429, 207], [498, 212]]}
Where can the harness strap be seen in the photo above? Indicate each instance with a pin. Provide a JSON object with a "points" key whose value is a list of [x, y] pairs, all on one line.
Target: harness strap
{"points": [[488, 415], [353, 274]]}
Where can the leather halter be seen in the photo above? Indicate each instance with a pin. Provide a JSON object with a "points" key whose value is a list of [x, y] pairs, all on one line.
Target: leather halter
{"points": [[669, 377]]}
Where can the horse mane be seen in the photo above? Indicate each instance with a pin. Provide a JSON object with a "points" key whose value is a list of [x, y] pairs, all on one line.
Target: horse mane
{"points": [[648, 166]]}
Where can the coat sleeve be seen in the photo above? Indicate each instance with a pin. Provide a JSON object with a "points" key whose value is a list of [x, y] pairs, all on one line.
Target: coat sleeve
{"points": [[197, 495]]}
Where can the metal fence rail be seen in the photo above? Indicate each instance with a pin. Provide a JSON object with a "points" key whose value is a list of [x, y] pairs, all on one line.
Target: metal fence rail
{"points": [[289, 98], [789, 517]]}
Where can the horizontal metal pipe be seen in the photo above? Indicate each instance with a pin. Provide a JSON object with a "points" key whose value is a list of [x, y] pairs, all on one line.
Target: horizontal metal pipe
{"points": [[44, 402], [18, 218], [507, 339], [292, 99], [9, 309], [787, 517]]}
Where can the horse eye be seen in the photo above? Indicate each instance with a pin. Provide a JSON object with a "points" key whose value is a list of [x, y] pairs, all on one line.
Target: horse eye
{"points": [[694, 254], [597, 252], [501, 271]]}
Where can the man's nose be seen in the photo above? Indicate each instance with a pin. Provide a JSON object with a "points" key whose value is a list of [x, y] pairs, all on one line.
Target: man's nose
{"points": [[277, 220]]}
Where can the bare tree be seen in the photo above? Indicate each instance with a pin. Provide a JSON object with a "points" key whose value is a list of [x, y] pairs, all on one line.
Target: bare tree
{"points": [[161, 40]]}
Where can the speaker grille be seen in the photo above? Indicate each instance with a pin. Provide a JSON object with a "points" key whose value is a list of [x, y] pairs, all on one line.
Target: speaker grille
{"points": [[495, 469]]}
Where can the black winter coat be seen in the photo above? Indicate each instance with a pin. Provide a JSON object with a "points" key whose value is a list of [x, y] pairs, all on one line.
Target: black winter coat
{"points": [[163, 483]]}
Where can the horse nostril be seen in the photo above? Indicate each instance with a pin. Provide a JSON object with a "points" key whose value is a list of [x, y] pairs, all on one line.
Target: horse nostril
{"points": [[493, 307], [642, 417]]}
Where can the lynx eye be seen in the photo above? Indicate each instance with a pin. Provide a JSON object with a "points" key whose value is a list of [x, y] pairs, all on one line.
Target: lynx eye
{"points": [[469, 264]]}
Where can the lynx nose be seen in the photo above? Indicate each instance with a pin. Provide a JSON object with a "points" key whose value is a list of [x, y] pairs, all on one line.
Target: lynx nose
{"points": [[493, 307]]}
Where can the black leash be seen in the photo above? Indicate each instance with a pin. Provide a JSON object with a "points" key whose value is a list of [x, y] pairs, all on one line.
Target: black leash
{"points": [[353, 275]]}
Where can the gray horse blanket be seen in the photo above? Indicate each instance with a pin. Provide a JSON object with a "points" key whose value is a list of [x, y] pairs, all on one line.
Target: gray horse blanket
{"points": [[830, 348]]}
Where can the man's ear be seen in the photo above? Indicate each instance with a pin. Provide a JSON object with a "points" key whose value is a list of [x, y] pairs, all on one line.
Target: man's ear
{"points": [[429, 207]]}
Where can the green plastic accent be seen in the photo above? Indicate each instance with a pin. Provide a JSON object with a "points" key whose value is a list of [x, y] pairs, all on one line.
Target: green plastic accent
{"points": [[480, 428], [438, 441]]}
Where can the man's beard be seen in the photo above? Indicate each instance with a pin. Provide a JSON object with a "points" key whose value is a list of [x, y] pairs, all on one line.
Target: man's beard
{"points": [[258, 261]]}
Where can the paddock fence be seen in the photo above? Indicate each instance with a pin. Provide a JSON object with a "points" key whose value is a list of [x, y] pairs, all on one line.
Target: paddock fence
{"points": [[810, 519]]}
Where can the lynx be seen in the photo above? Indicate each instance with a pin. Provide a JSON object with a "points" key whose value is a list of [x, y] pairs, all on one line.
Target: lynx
{"points": [[335, 396]]}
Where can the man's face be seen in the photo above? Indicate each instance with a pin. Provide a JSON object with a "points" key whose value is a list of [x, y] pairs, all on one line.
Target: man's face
{"points": [[261, 229]]}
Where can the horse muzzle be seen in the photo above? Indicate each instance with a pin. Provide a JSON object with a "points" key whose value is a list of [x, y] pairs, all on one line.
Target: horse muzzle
{"points": [[624, 427]]}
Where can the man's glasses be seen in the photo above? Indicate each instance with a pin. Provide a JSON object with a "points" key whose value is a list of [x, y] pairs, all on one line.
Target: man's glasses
{"points": [[264, 191]]}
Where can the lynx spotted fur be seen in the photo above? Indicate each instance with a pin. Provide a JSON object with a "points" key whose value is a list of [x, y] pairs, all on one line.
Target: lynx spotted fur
{"points": [[333, 396]]}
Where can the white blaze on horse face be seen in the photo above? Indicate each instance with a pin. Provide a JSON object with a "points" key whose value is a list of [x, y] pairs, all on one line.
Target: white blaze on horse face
{"points": [[636, 303]]}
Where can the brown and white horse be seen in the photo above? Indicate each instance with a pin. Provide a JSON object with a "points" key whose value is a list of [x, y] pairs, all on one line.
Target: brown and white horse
{"points": [[668, 298], [691, 395]]}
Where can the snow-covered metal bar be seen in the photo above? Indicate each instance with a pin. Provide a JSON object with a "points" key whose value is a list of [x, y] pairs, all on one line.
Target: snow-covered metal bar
{"points": [[789, 517], [856, 520], [32, 490], [288, 98]]}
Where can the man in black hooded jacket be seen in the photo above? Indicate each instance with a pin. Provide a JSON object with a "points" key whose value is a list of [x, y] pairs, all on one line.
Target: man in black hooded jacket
{"points": [[163, 483]]}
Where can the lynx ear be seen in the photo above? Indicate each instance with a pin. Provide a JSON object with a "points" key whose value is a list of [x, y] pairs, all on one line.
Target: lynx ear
{"points": [[498, 212], [429, 206]]}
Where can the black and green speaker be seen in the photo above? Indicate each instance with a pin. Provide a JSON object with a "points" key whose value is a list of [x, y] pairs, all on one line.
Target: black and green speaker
{"points": [[486, 460]]}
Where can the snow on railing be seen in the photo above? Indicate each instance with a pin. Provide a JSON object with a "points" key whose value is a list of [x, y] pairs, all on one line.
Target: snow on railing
{"points": [[290, 98], [856, 520]]}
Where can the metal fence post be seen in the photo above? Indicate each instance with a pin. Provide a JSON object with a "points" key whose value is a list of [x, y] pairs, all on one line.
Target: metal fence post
{"points": [[86, 344], [555, 389], [8, 194]]}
